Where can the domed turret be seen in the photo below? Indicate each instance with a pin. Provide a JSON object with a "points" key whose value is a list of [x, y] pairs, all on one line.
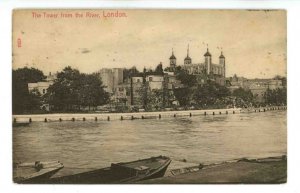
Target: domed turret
{"points": [[187, 59], [172, 61], [207, 54]]}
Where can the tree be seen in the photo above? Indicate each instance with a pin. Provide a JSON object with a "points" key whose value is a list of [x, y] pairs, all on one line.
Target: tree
{"points": [[33, 102], [127, 73], [63, 94], [185, 78], [183, 95], [243, 97], [211, 95], [21, 98], [72, 90], [91, 92], [159, 69], [276, 97]]}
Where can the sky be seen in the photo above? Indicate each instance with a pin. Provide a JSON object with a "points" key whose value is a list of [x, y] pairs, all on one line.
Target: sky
{"points": [[253, 41]]}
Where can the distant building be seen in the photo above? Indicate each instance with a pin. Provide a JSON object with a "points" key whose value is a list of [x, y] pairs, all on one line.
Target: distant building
{"points": [[172, 61], [171, 81], [258, 87], [111, 78], [216, 72], [42, 86], [155, 81]]}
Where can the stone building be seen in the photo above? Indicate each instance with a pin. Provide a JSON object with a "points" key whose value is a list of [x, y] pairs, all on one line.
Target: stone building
{"points": [[42, 86], [111, 78], [215, 72]]}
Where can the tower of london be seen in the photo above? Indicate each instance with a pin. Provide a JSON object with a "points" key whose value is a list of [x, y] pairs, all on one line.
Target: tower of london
{"points": [[206, 67]]}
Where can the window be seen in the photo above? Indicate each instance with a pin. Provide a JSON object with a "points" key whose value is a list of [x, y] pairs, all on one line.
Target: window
{"points": [[150, 79]]}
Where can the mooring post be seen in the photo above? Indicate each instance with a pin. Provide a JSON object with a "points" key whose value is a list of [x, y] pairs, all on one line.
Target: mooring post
{"points": [[83, 118], [30, 120], [73, 119], [174, 115], [60, 120], [132, 117], [190, 114], [96, 119], [108, 118], [220, 112], [45, 120], [205, 113], [233, 112], [159, 116], [121, 118], [213, 113], [15, 120], [226, 112]]}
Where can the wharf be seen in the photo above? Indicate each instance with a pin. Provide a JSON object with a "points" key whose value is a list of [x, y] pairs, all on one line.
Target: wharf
{"points": [[256, 171]]}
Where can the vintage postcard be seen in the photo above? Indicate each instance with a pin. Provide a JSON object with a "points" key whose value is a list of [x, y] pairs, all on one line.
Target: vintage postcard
{"points": [[149, 96]]}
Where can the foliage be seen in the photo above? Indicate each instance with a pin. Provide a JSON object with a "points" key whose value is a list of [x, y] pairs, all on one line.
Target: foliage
{"points": [[276, 97], [183, 95], [185, 78], [245, 95], [72, 89], [129, 72], [22, 100], [159, 69], [210, 94]]}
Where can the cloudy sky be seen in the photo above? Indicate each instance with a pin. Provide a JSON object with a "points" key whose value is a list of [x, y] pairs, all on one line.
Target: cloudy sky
{"points": [[253, 42]]}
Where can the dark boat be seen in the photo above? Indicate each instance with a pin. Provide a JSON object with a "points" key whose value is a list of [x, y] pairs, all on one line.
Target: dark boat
{"points": [[34, 173], [118, 173]]}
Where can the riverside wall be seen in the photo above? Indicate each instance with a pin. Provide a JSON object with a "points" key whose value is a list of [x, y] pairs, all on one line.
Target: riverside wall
{"points": [[136, 115]]}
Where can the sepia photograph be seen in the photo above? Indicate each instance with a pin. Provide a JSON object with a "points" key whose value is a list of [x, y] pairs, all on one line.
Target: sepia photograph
{"points": [[149, 96]]}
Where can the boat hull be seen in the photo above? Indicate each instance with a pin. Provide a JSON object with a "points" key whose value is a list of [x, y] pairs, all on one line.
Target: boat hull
{"points": [[109, 176], [44, 178]]}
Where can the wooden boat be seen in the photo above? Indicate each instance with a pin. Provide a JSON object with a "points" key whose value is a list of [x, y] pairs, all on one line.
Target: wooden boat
{"points": [[128, 172], [37, 172]]}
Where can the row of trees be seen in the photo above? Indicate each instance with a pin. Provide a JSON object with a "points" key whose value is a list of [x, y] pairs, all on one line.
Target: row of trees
{"points": [[71, 91], [276, 97], [213, 95]]}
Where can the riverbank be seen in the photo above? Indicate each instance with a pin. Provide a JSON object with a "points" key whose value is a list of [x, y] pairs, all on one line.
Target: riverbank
{"points": [[136, 115], [271, 170]]}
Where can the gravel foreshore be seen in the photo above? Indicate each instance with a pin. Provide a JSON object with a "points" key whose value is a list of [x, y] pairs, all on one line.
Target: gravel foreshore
{"points": [[247, 171]]}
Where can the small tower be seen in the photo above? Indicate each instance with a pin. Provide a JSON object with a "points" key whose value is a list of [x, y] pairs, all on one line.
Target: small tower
{"points": [[172, 61], [222, 63], [207, 56], [187, 59]]}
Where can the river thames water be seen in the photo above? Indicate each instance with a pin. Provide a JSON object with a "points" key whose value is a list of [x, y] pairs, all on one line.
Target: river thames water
{"points": [[82, 146]]}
